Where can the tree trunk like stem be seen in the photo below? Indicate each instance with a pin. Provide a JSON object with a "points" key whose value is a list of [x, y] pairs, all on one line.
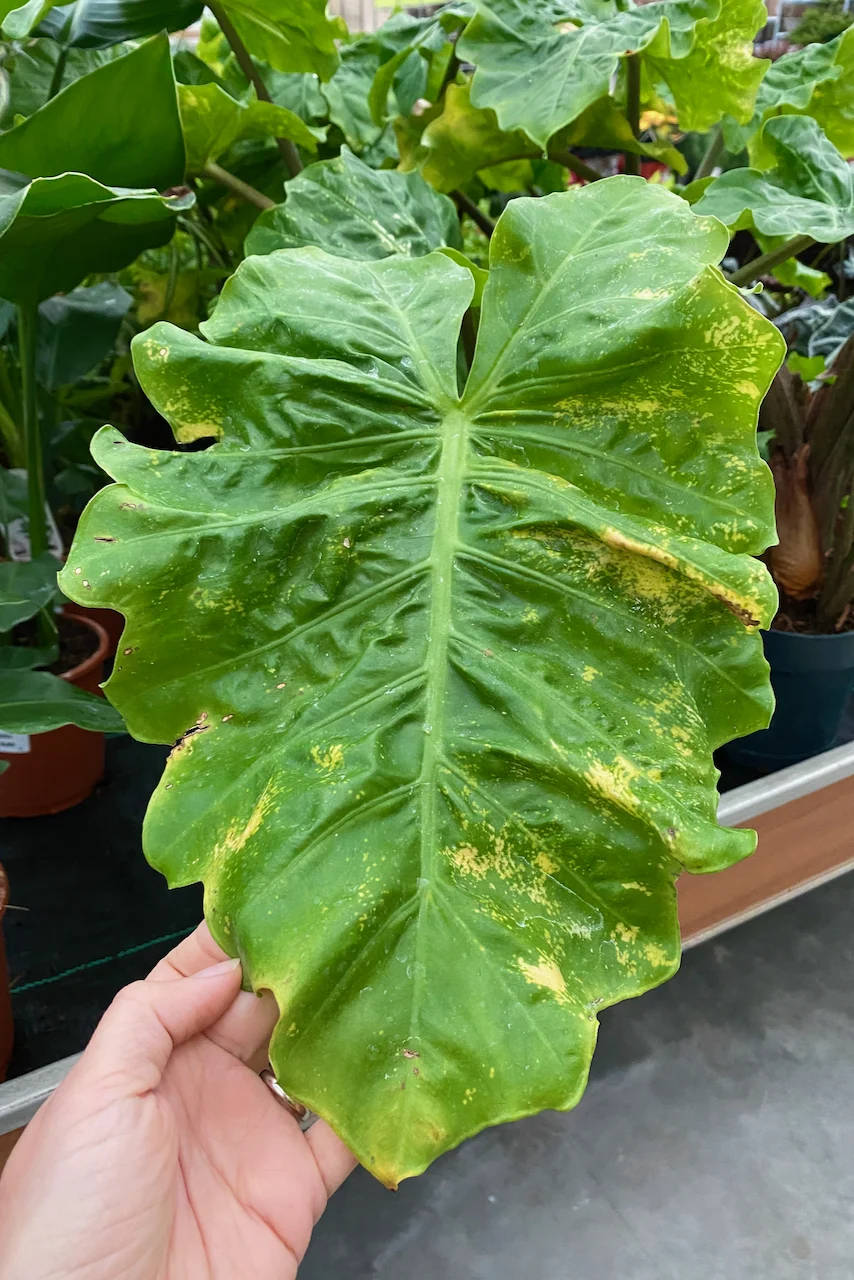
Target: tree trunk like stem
{"points": [[633, 87], [767, 261], [711, 155], [576, 165], [238, 186], [27, 318], [465, 205], [289, 152]]}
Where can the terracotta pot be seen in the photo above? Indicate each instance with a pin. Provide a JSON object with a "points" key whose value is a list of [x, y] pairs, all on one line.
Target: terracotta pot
{"points": [[112, 622], [58, 769], [5, 996]]}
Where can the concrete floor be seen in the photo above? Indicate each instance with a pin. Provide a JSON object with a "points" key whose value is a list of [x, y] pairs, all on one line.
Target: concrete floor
{"points": [[716, 1140]]}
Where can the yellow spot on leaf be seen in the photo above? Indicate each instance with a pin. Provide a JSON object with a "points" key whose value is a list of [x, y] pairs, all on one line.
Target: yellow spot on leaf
{"points": [[543, 974], [330, 759]]}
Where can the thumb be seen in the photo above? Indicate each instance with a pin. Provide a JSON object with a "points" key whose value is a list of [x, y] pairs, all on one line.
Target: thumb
{"points": [[147, 1020]]}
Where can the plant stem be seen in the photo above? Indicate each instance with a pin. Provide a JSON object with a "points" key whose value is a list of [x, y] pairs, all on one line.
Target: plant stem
{"points": [[58, 73], [576, 165], [767, 261], [465, 205], [633, 87], [27, 319], [238, 186], [712, 154], [289, 152]]}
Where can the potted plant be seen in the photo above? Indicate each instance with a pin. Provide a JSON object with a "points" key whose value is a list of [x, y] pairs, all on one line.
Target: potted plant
{"points": [[52, 721], [810, 645]]}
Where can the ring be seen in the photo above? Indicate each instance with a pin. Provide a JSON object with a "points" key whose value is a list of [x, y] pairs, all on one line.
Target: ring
{"points": [[304, 1118]]}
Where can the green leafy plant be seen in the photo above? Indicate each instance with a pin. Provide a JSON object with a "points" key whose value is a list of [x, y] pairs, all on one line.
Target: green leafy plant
{"points": [[821, 23], [812, 429], [34, 701], [488, 637]]}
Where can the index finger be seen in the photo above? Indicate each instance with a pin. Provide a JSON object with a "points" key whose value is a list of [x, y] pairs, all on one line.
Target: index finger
{"points": [[197, 952]]}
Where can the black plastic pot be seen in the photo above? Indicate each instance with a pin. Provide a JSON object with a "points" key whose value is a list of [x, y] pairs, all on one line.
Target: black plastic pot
{"points": [[812, 677]]}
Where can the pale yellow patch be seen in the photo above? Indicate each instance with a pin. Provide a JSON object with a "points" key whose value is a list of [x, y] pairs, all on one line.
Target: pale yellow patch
{"points": [[589, 674], [628, 932], [748, 389], [543, 974], [656, 955], [330, 759], [614, 781], [547, 864], [236, 838]]}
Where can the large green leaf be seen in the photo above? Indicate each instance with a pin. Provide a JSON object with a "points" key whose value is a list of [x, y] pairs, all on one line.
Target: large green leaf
{"points": [[30, 68], [720, 75], [77, 330], [347, 208], [539, 65], [213, 121], [93, 126], [809, 192], [36, 701], [290, 35], [59, 227], [458, 664], [97, 24], [55, 231], [463, 140], [26, 586], [818, 81]]}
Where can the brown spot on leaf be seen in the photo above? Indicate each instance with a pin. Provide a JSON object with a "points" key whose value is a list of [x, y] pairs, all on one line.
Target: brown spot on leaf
{"points": [[103, 539], [410, 1053]]}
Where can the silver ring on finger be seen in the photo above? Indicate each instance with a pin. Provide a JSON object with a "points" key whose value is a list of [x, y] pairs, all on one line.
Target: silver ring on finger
{"points": [[304, 1118]]}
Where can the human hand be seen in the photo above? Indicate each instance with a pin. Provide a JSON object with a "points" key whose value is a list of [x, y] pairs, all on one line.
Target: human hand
{"points": [[163, 1156]]}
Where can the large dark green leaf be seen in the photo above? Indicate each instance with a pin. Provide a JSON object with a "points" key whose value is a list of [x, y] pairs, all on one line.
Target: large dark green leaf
{"points": [[59, 227], [26, 586], [213, 121], [347, 208], [540, 65], [55, 231], [77, 330], [96, 24], [809, 192], [30, 68], [60, 138], [456, 665], [817, 81], [36, 701]]}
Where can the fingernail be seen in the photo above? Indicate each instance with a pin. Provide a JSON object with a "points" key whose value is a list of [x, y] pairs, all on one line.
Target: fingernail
{"points": [[216, 970]]}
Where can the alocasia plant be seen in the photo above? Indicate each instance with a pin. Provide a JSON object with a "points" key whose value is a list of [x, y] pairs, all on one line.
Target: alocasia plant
{"points": [[809, 192], [347, 208], [445, 665], [817, 81], [541, 63], [213, 121]]}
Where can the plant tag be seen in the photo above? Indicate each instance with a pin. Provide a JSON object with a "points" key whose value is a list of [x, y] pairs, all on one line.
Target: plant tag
{"points": [[14, 744]]}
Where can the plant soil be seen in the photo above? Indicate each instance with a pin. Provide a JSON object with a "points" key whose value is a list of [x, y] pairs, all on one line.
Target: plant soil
{"points": [[802, 616], [77, 642]]}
